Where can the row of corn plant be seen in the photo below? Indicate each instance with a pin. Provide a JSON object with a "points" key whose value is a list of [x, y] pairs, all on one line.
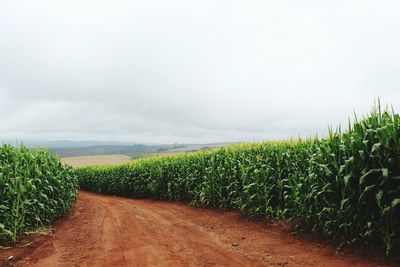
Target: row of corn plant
{"points": [[35, 188], [346, 186]]}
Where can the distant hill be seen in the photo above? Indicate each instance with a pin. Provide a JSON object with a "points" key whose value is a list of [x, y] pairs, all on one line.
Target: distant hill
{"points": [[134, 151], [64, 143], [68, 148]]}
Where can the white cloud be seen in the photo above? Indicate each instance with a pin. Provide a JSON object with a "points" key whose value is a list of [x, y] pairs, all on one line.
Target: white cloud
{"points": [[192, 71]]}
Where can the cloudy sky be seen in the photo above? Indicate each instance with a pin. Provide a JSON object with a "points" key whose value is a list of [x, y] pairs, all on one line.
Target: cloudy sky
{"points": [[193, 71]]}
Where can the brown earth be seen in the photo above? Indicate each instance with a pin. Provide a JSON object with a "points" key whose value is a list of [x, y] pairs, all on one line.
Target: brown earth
{"points": [[98, 160], [114, 231]]}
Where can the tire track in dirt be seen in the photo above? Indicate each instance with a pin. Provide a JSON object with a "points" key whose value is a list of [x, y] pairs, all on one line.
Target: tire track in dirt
{"points": [[114, 231]]}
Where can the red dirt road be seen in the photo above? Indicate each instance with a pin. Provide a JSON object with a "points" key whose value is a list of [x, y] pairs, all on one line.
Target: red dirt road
{"points": [[113, 231]]}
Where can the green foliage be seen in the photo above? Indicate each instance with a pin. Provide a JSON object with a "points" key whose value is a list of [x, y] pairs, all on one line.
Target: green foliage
{"points": [[346, 186], [34, 189]]}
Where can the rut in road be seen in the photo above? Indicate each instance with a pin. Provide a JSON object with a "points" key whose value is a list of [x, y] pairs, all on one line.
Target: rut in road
{"points": [[113, 231]]}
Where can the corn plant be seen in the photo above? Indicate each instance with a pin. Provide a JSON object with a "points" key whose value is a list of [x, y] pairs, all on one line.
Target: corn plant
{"points": [[35, 188], [346, 186]]}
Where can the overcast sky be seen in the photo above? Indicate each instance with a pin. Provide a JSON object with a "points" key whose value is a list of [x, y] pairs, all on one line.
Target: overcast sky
{"points": [[193, 71]]}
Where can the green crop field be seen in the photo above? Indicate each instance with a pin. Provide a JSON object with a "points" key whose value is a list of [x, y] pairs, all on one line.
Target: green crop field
{"points": [[35, 188], [346, 185]]}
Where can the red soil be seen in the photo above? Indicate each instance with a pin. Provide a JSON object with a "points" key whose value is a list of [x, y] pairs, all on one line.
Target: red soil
{"points": [[113, 231]]}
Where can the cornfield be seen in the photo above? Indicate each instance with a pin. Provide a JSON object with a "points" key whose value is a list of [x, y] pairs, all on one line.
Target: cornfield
{"points": [[346, 185], [35, 188]]}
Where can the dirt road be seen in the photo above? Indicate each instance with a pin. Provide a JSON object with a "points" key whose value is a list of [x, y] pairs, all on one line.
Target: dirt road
{"points": [[113, 231]]}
